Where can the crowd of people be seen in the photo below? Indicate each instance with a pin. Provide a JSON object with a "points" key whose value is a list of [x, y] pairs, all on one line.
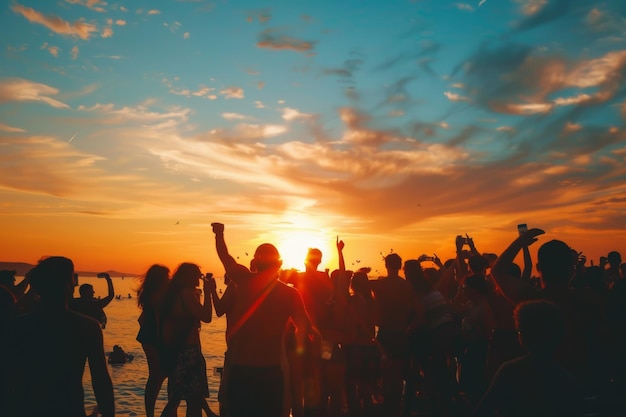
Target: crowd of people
{"points": [[475, 335]]}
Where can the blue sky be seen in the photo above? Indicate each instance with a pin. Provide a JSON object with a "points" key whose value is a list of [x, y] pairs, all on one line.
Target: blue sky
{"points": [[406, 122]]}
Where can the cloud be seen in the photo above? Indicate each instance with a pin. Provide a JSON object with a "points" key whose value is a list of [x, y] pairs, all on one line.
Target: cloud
{"points": [[74, 52], [232, 92], [263, 16], [465, 7], [96, 5], [454, 96], [186, 35], [110, 114], [78, 29], [18, 89], [10, 129], [275, 39], [120, 22], [290, 114], [54, 50], [235, 116], [516, 79], [153, 12]]}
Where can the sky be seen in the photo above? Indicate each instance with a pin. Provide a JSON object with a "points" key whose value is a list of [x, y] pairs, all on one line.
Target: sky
{"points": [[128, 127]]}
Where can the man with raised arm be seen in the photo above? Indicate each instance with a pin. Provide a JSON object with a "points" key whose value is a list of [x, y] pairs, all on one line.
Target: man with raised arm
{"points": [[582, 350], [254, 334]]}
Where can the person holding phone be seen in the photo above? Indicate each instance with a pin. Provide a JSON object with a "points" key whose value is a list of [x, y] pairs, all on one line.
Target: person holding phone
{"points": [[90, 306]]}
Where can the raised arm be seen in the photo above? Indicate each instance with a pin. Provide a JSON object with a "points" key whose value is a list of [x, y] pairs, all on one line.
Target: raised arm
{"points": [[111, 292], [222, 250], [342, 262], [528, 264], [513, 289]]}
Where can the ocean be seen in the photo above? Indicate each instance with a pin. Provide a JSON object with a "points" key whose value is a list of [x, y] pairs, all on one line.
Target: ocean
{"points": [[130, 378]]}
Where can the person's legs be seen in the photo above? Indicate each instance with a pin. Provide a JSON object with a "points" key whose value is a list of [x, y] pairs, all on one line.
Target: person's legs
{"points": [[156, 376]]}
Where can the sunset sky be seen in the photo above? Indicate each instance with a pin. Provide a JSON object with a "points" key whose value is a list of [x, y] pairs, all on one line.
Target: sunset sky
{"points": [[127, 127]]}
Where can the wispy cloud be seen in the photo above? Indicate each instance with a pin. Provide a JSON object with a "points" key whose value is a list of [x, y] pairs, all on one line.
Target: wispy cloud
{"points": [[232, 92], [10, 129], [97, 5], [79, 29], [277, 39], [18, 89]]}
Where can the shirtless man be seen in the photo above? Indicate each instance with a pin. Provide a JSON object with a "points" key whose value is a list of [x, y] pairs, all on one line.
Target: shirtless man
{"points": [[47, 351], [254, 332]]}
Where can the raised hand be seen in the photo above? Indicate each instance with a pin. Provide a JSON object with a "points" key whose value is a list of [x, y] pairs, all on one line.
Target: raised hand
{"points": [[218, 228], [340, 244], [209, 284], [530, 236]]}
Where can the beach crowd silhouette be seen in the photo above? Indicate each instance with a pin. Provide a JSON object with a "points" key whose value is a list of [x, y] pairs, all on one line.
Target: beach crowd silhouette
{"points": [[476, 335]]}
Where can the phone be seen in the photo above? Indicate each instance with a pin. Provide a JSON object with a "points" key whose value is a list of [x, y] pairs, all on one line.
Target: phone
{"points": [[522, 228]]}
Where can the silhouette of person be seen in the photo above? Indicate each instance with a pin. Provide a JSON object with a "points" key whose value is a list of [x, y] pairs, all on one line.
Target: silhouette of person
{"points": [[534, 384], [254, 334], [223, 306], [395, 297], [90, 306], [307, 376], [118, 356], [582, 351], [180, 346], [48, 349], [150, 296]]}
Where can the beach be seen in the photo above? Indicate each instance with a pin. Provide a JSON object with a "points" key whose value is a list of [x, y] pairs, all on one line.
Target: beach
{"points": [[130, 378]]}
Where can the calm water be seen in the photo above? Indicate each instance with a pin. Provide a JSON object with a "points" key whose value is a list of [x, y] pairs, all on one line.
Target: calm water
{"points": [[129, 379]]}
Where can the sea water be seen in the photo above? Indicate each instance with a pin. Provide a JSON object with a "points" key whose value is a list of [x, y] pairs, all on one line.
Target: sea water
{"points": [[129, 379]]}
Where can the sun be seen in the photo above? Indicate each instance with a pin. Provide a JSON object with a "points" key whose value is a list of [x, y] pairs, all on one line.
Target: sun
{"points": [[293, 246]]}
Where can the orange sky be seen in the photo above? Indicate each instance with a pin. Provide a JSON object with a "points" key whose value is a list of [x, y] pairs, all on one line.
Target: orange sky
{"points": [[396, 125]]}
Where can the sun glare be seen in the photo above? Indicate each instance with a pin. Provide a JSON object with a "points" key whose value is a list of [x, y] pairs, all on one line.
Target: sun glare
{"points": [[293, 247]]}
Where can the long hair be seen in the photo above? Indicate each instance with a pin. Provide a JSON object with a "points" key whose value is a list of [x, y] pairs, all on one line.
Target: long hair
{"points": [[185, 276], [155, 281]]}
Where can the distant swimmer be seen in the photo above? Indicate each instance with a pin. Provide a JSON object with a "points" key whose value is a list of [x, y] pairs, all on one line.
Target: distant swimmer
{"points": [[119, 356]]}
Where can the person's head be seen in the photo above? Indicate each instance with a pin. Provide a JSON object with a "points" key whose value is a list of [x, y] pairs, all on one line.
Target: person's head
{"points": [[154, 281], [360, 284], [614, 259], [86, 291], [554, 263], [266, 258], [414, 274], [187, 275], [313, 258], [393, 262], [7, 278], [594, 278], [53, 279], [478, 264], [515, 271], [540, 326], [490, 257], [475, 286]]}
